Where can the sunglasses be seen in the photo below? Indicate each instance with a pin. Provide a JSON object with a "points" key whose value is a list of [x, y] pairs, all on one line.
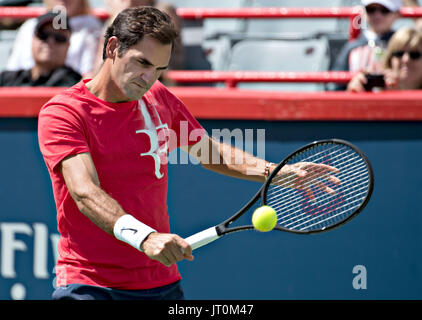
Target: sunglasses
{"points": [[414, 55], [57, 37], [382, 10]]}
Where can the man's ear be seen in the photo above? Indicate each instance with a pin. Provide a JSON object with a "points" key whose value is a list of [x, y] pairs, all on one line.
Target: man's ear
{"points": [[112, 48]]}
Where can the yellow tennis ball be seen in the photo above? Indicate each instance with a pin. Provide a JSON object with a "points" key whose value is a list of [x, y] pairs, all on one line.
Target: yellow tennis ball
{"points": [[264, 219]]}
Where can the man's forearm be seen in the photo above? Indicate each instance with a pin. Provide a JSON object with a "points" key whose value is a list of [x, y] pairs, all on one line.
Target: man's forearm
{"points": [[99, 207], [84, 187], [107, 214], [234, 162]]}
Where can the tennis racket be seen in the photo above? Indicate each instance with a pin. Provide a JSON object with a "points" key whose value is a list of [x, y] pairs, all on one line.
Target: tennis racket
{"points": [[322, 200]]}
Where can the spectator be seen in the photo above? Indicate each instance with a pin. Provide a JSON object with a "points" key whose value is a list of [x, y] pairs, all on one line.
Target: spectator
{"points": [[366, 52], [86, 30], [402, 65], [49, 50]]}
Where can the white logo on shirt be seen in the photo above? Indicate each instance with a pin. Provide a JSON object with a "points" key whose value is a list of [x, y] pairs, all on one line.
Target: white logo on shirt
{"points": [[151, 130]]}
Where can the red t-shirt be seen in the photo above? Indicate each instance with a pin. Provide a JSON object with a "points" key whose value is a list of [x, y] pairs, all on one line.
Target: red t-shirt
{"points": [[125, 141]]}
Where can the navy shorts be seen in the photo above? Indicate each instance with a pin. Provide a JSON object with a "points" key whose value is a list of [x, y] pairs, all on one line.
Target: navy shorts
{"points": [[172, 291]]}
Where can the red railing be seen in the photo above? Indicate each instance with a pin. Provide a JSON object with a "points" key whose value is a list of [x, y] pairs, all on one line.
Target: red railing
{"points": [[237, 13], [232, 78], [208, 13], [227, 103], [351, 13]]}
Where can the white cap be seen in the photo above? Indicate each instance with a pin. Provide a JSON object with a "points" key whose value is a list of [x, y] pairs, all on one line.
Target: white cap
{"points": [[392, 5]]}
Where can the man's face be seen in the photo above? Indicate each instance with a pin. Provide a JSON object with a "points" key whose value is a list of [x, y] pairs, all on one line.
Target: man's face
{"points": [[49, 46], [136, 70], [380, 19]]}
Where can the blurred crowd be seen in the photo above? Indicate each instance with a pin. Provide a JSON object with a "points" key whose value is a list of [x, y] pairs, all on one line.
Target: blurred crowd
{"points": [[65, 45], [383, 58], [46, 55]]}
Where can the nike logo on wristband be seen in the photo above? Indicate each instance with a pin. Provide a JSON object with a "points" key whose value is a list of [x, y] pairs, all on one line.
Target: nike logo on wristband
{"points": [[130, 229], [139, 230]]}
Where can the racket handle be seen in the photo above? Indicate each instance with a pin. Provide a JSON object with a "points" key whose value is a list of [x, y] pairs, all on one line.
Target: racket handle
{"points": [[202, 238]]}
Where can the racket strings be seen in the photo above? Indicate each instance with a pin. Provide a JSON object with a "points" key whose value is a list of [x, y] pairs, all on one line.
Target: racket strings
{"points": [[323, 212], [280, 180], [274, 196], [295, 217], [319, 199], [327, 218], [275, 189], [299, 214], [296, 211]]}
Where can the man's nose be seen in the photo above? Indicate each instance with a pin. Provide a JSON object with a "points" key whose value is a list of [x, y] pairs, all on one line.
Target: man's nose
{"points": [[148, 75]]}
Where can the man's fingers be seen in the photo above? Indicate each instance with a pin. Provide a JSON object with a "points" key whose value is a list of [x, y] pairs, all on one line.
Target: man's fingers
{"points": [[320, 167], [304, 175], [334, 180], [301, 173], [175, 253], [325, 171], [317, 170], [177, 250], [325, 188], [186, 249], [310, 193], [163, 258], [168, 249]]}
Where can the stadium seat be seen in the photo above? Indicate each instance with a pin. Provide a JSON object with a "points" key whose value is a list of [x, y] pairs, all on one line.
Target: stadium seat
{"points": [[296, 27], [218, 52], [280, 55], [203, 35], [7, 38], [214, 27]]}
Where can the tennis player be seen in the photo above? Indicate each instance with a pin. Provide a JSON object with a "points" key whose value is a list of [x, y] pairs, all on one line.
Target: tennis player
{"points": [[101, 143]]}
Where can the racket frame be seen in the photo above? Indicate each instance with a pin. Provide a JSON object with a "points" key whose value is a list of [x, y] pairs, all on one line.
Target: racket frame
{"points": [[211, 234]]}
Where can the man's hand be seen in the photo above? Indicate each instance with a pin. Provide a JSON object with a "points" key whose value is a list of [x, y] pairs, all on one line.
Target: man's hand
{"points": [[304, 175], [167, 248]]}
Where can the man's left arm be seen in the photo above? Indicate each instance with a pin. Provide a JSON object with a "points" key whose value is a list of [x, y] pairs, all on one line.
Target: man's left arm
{"points": [[226, 159], [231, 161]]}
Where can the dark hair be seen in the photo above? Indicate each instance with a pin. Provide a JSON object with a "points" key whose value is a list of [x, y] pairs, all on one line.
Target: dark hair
{"points": [[132, 24]]}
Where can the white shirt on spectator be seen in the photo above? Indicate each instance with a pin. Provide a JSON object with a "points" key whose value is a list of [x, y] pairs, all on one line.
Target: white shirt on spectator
{"points": [[86, 31]]}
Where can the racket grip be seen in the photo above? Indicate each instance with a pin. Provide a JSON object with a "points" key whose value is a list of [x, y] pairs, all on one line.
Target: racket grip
{"points": [[202, 238]]}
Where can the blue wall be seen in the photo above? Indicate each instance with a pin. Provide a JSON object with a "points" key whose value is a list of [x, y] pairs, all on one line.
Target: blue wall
{"points": [[386, 238]]}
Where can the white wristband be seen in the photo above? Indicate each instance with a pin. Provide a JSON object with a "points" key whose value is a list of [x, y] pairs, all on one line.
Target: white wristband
{"points": [[132, 231]]}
